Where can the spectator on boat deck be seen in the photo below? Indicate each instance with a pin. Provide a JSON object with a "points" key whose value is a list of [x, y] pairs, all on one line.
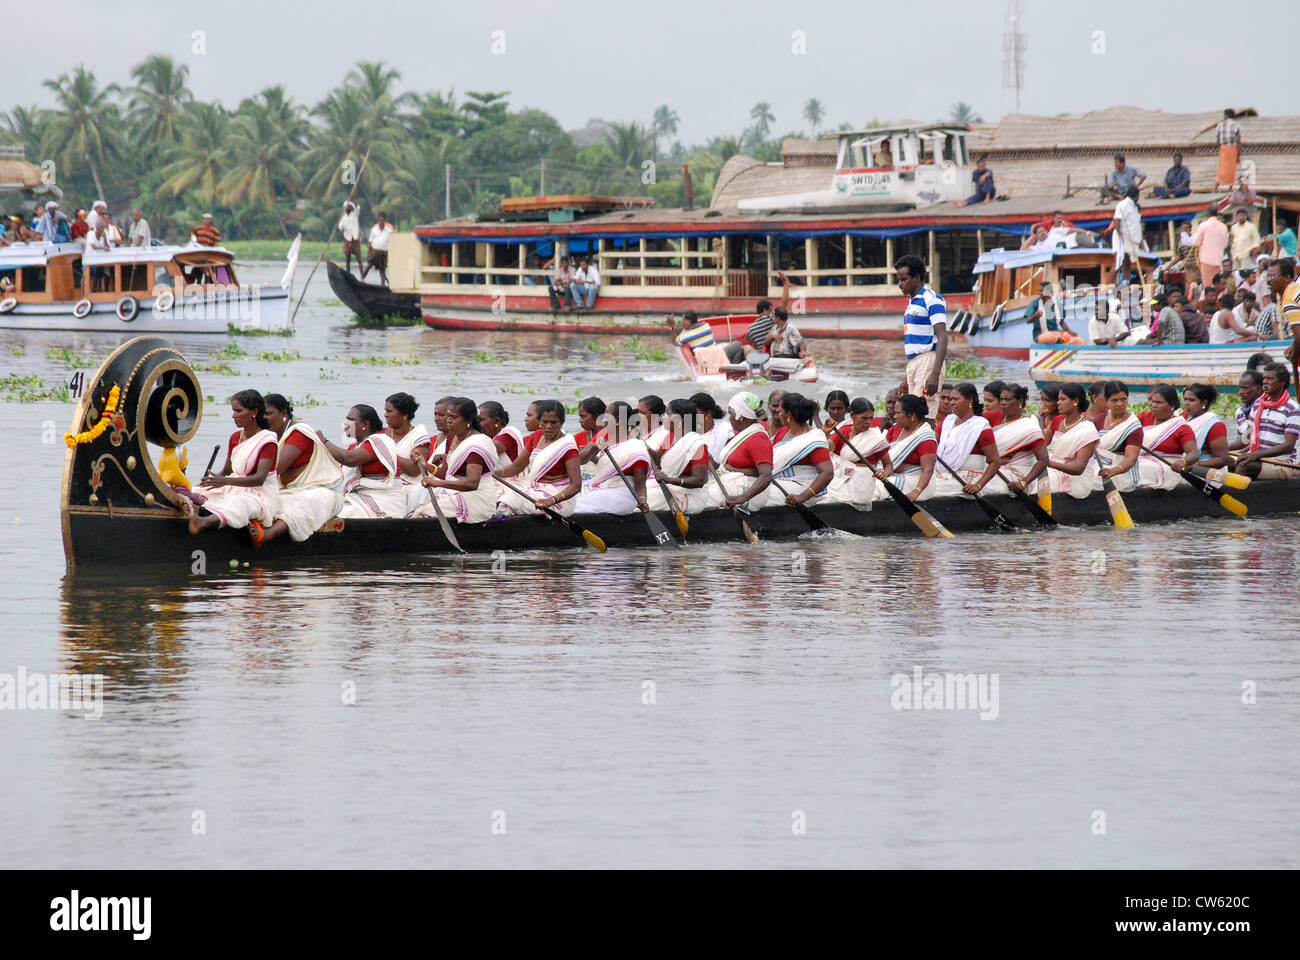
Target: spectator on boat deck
{"points": [[884, 157], [1210, 240], [1107, 325], [20, 232], [982, 177], [695, 332], [1246, 311], [1243, 197], [1127, 224], [47, 223], [1283, 238], [1228, 133], [1245, 238], [1169, 330], [113, 231], [139, 234], [562, 282], [762, 325], [1281, 274], [785, 340], [1178, 180], [1037, 239], [1274, 428], [1262, 293], [1225, 327], [350, 229], [79, 227], [1057, 221], [533, 263], [206, 234], [378, 242], [1123, 178], [1197, 330], [97, 210], [1047, 318], [585, 284]]}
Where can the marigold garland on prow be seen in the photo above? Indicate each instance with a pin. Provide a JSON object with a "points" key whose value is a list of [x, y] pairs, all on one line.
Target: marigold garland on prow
{"points": [[86, 436]]}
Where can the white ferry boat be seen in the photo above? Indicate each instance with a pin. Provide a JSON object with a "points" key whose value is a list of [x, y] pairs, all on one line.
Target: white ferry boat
{"points": [[156, 289]]}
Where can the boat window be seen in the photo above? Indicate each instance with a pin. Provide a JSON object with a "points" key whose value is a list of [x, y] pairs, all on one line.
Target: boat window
{"points": [[161, 277], [33, 280], [135, 277], [905, 150]]}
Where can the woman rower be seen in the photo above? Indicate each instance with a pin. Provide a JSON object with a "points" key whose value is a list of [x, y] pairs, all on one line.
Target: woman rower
{"points": [[1047, 411], [495, 424], [1020, 441], [745, 464], [1121, 438], [607, 492], [968, 445], [311, 481], [590, 410], [685, 464], [711, 423], [837, 409], [1072, 469], [532, 435], [775, 425], [891, 411], [651, 410], [550, 475], [1211, 432], [246, 492], [371, 487], [912, 452], [438, 443], [1167, 434], [855, 481], [993, 402], [467, 489], [407, 439], [801, 461]]}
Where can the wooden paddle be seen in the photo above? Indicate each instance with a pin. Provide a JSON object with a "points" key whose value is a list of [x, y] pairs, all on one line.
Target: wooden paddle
{"points": [[997, 516], [739, 513], [682, 525], [814, 522], [211, 460], [442, 520], [578, 529], [924, 522], [1274, 460], [1036, 511], [1118, 512], [658, 531], [1226, 500]]}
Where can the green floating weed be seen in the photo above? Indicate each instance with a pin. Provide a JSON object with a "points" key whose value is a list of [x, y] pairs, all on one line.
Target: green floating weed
{"points": [[66, 356], [284, 356], [235, 331], [231, 351], [486, 356], [964, 368]]}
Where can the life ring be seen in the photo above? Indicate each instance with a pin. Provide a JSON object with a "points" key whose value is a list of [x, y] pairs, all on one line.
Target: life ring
{"points": [[959, 322], [972, 323], [163, 300], [997, 319], [82, 308], [7, 304], [127, 308]]}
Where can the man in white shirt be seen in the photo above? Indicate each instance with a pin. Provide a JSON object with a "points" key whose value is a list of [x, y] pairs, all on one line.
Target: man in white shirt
{"points": [[350, 227], [379, 235], [139, 235], [585, 284], [1108, 326], [97, 209], [1127, 223]]}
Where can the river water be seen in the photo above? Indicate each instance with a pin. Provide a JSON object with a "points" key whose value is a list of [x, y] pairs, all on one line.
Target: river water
{"points": [[724, 705]]}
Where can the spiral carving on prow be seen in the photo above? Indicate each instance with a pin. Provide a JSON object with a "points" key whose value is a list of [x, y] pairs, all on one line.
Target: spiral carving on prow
{"points": [[173, 405]]}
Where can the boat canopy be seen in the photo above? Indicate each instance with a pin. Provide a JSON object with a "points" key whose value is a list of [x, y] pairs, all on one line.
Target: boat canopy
{"points": [[990, 260], [34, 254], [39, 254]]}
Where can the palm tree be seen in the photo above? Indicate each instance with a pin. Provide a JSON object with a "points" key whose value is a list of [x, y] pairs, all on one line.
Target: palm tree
{"points": [[814, 113], [664, 124], [483, 109], [763, 119], [195, 164], [85, 128], [159, 99], [349, 135], [27, 126], [629, 143], [724, 148], [416, 186], [262, 161], [963, 112], [278, 107]]}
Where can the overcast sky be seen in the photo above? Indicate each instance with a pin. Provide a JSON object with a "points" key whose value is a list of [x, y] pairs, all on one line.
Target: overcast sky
{"points": [[710, 60]]}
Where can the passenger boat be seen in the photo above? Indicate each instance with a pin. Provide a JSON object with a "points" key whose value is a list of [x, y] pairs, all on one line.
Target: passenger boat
{"points": [[1141, 368], [757, 367], [1007, 282], [118, 512], [155, 289], [370, 301]]}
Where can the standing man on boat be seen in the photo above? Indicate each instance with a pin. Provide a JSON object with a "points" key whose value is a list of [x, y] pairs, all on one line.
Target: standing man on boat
{"points": [[139, 234], [379, 235], [350, 228], [206, 234], [925, 332], [1228, 133]]}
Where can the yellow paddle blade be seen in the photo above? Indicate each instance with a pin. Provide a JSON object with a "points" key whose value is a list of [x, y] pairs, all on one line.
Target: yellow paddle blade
{"points": [[682, 525], [1227, 478], [750, 535], [930, 526], [1231, 503], [594, 540], [1045, 501], [1119, 512]]}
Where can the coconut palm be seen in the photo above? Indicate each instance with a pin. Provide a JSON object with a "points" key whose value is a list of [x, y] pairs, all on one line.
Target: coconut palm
{"points": [[483, 109], [262, 161], [27, 126], [629, 142], [195, 164], [85, 129], [963, 112], [278, 107], [414, 191], [814, 113], [158, 100], [664, 124], [763, 119], [348, 139], [375, 82]]}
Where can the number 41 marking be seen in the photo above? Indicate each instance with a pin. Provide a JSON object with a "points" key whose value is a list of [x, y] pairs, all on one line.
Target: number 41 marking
{"points": [[77, 384]]}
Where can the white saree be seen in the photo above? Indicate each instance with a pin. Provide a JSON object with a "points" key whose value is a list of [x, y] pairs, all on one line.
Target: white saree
{"points": [[855, 481], [375, 496], [1152, 471], [958, 446], [607, 493], [673, 464], [415, 495], [1065, 444], [1111, 451], [796, 477], [236, 506], [542, 460], [907, 476], [736, 482], [314, 496], [467, 506]]}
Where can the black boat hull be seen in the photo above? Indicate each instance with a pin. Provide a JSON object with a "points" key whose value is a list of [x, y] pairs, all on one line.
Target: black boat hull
{"points": [[371, 301]]}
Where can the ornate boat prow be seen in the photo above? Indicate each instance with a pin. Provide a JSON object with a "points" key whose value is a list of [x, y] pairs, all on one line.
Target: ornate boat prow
{"points": [[144, 393]]}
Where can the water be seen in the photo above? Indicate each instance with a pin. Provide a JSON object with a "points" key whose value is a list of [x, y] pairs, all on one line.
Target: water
{"points": [[517, 698]]}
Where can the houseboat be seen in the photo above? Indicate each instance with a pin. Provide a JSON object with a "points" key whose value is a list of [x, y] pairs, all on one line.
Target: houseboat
{"points": [[155, 289]]}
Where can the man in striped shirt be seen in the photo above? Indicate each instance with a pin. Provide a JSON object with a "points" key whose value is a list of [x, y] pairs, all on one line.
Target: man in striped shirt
{"points": [[925, 332], [207, 233], [1274, 428]]}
